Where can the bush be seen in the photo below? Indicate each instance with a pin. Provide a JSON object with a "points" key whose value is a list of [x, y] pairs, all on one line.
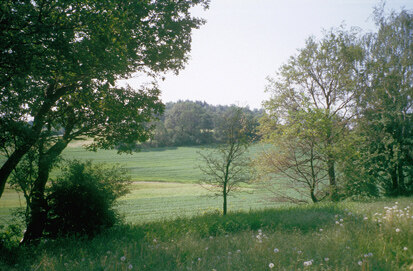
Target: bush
{"points": [[81, 201]]}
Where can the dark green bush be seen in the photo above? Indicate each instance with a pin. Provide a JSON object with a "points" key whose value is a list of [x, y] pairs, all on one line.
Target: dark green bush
{"points": [[81, 200]]}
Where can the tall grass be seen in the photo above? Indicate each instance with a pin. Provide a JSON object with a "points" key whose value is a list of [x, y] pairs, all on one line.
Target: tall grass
{"points": [[345, 236]]}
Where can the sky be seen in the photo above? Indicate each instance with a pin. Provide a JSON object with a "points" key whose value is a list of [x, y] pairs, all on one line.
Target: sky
{"points": [[245, 41]]}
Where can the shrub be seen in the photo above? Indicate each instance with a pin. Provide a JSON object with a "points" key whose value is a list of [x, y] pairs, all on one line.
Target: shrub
{"points": [[81, 200]]}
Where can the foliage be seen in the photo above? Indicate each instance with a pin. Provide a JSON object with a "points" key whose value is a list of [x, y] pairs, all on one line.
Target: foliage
{"points": [[81, 200], [310, 107], [297, 159], [59, 65], [190, 123], [227, 165], [385, 103]]}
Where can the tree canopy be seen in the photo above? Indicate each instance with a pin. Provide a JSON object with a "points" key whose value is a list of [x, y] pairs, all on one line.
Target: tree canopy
{"points": [[59, 61]]}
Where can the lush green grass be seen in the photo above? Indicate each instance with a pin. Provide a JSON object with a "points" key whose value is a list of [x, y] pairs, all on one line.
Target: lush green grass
{"points": [[345, 236], [179, 164], [165, 184]]}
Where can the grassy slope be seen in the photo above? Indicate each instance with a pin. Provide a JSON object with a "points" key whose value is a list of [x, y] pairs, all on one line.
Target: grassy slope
{"points": [[165, 184], [345, 236]]}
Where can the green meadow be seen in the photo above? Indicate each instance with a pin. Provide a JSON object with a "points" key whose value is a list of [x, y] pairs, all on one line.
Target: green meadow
{"points": [[164, 184], [171, 223]]}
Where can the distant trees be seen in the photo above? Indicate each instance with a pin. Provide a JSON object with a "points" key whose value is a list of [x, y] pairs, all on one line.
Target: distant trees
{"points": [[227, 165], [189, 123]]}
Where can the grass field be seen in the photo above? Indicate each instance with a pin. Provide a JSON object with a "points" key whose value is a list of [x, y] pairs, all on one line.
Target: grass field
{"points": [[164, 184], [174, 224]]}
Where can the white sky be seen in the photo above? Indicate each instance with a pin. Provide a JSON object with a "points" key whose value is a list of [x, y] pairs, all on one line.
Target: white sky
{"points": [[244, 41]]}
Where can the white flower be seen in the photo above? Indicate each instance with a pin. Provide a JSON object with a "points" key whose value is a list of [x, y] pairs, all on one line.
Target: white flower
{"points": [[326, 259], [271, 265], [130, 267], [154, 240], [397, 230], [199, 259], [359, 262], [276, 250], [337, 222], [206, 248], [308, 263], [365, 218], [368, 255], [239, 251], [405, 248], [123, 258], [341, 220], [299, 252], [321, 230]]}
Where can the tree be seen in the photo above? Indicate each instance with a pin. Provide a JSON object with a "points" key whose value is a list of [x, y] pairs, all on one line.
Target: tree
{"points": [[59, 63], [297, 159], [320, 78], [227, 165], [385, 102]]}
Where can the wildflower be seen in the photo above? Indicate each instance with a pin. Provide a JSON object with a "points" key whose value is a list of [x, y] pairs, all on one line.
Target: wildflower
{"points": [[154, 240], [199, 259], [397, 230], [308, 263], [206, 248], [276, 250], [271, 265], [299, 252], [359, 262], [341, 220], [213, 269], [239, 251], [123, 258], [229, 253], [321, 230], [337, 222], [365, 218], [130, 267], [405, 248], [326, 259], [211, 237], [368, 255]]}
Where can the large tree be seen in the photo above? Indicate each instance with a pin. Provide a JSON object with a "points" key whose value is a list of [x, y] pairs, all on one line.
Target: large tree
{"points": [[321, 77], [385, 102], [59, 61]]}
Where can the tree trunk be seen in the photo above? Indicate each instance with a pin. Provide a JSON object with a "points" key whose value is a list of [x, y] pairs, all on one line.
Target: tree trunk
{"points": [[395, 183], [11, 164], [225, 199], [39, 207], [313, 197], [332, 179]]}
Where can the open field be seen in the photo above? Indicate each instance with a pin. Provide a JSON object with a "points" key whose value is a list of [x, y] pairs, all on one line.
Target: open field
{"points": [[164, 185]]}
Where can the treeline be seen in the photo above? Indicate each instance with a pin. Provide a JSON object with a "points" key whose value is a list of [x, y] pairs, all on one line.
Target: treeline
{"points": [[190, 123]]}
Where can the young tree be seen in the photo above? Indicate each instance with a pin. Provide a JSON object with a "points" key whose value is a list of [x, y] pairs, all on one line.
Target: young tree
{"points": [[227, 165], [297, 160], [59, 62], [321, 77]]}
